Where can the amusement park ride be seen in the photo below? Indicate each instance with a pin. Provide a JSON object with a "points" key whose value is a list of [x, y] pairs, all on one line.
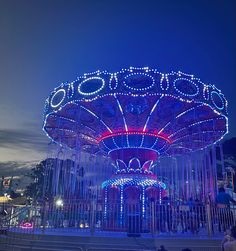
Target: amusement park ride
{"points": [[158, 130]]}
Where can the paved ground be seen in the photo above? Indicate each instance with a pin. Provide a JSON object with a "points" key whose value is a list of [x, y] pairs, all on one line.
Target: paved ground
{"points": [[69, 240]]}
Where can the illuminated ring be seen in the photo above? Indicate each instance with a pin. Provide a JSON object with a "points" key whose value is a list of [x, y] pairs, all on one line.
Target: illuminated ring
{"points": [[55, 94], [139, 89], [94, 92], [124, 181], [222, 101], [133, 133], [186, 94]]}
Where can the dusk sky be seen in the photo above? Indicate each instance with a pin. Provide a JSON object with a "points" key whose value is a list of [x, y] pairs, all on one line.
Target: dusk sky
{"points": [[44, 43]]}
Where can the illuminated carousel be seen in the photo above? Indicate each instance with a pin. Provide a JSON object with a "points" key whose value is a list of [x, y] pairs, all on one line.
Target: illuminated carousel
{"points": [[133, 137]]}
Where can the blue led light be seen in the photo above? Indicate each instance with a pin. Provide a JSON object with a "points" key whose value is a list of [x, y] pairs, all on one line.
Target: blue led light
{"points": [[113, 78], [92, 113], [206, 92], [122, 85], [138, 180], [87, 81], [58, 102], [71, 90], [213, 101], [153, 108], [186, 93], [139, 74]]}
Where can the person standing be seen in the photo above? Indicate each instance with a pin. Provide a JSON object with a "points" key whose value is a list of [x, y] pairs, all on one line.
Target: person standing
{"points": [[223, 201], [229, 242]]}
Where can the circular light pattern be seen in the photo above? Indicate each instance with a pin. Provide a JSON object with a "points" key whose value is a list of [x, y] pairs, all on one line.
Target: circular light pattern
{"points": [[133, 181], [135, 94], [217, 100], [186, 87], [139, 81], [91, 86], [58, 98]]}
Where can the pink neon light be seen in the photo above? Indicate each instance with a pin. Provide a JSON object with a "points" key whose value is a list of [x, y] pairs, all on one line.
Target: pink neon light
{"points": [[132, 133], [26, 225]]}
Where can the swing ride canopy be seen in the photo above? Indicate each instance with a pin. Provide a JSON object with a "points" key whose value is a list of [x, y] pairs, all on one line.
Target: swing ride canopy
{"points": [[136, 112]]}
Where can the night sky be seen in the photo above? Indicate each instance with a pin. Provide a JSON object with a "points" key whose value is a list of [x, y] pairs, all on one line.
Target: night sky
{"points": [[44, 43]]}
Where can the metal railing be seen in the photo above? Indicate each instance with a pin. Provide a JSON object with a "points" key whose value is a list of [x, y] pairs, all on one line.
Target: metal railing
{"points": [[93, 218]]}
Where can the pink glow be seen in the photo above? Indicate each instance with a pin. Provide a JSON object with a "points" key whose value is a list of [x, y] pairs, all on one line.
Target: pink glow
{"points": [[106, 135], [26, 225]]}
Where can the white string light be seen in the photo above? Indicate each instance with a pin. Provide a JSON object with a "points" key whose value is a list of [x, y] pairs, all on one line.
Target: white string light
{"points": [[123, 84]]}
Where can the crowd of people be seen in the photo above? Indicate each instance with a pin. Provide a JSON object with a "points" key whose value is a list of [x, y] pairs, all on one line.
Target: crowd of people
{"points": [[193, 215], [223, 202]]}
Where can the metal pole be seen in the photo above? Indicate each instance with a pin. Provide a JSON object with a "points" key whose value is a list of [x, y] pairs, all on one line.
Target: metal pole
{"points": [[153, 217], [209, 221]]}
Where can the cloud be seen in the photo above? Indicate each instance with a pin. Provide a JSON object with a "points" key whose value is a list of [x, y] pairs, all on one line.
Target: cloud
{"points": [[29, 138], [17, 170], [13, 168], [25, 143]]}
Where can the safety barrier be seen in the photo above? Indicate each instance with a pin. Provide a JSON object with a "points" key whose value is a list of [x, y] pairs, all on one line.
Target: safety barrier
{"points": [[133, 219]]}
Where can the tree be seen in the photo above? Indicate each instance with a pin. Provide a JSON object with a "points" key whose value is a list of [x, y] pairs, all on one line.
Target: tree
{"points": [[35, 189], [42, 187]]}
